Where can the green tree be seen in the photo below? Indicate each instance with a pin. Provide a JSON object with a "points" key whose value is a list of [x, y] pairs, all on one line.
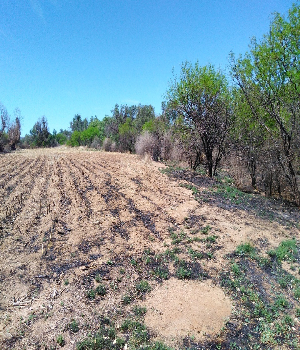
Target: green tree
{"points": [[201, 100], [77, 124], [40, 135], [89, 134], [269, 78], [75, 139], [127, 135]]}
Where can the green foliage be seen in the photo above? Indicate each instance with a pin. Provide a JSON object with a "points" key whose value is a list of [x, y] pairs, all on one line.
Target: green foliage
{"points": [[73, 326], [287, 250], [183, 271], [40, 135], [104, 339], [143, 287], [87, 136], [246, 249], [139, 311], [200, 100], [101, 290], [268, 83], [75, 139], [60, 340], [61, 138]]}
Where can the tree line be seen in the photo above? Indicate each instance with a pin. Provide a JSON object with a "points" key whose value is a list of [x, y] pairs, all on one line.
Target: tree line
{"points": [[248, 122]]}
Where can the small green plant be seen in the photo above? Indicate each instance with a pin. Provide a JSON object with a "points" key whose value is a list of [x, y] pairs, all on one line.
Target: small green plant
{"points": [[281, 302], [143, 287], [66, 282], [195, 255], [139, 311], [183, 271], [236, 269], [91, 294], [105, 338], [101, 290], [98, 278], [60, 340], [161, 272], [73, 326], [133, 262], [246, 249], [211, 239], [139, 333], [127, 299], [287, 250], [205, 229], [297, 293]]}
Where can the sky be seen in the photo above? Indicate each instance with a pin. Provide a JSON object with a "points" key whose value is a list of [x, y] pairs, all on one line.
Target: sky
{"points": [[59, 58]]}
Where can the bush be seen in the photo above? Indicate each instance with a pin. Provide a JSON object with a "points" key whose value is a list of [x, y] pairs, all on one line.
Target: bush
{"points": [[96, 143], [109, 145], [146, 143], [75, 139]]}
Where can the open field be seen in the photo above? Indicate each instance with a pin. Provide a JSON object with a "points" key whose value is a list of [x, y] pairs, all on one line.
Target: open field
{"points": [[110, 251]]}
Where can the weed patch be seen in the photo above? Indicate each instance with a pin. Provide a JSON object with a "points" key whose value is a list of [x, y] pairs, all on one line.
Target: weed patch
{"points": [[266, 298]]}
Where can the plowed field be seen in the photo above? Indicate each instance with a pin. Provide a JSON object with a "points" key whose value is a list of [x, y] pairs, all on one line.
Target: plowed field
{"points": [[74, 220]]}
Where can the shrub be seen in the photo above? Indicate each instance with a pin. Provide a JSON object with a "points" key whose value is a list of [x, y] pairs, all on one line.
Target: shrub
{"points": [[146, 143], [109, 145], [96, 143]]}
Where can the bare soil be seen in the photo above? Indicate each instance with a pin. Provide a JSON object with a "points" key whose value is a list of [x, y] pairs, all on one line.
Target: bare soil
{"points": [[68, 216]]}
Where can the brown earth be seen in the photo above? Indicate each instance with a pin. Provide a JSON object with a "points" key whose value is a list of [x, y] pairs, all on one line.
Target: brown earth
{"points": [[68, 215]]}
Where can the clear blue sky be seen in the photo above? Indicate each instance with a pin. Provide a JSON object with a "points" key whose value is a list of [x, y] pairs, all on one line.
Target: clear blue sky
{"points": [[63, 57]]}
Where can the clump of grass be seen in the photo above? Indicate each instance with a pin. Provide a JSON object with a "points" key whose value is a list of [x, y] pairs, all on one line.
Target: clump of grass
{"points": [[143, 287], [177, 237], [101, 290], [297, 293], [161, 272], [91, 294], [139, 311], [287, 250], [98, 278], [206, 229], [73, 326], [139, 333], [195, 255], [210, 239], [127, 299], [183, 271], [105, 338], [60, 340], [246, 249]]}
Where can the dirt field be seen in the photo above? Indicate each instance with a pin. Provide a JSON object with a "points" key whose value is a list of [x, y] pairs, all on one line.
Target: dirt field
{"points": [[91, 240]]}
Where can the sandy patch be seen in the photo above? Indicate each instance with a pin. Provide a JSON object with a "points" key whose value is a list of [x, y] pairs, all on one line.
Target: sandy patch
{"points": [[179, 308]]}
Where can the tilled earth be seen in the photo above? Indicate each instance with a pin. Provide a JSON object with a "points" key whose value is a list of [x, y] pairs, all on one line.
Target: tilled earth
{"points": [[72, 219]]}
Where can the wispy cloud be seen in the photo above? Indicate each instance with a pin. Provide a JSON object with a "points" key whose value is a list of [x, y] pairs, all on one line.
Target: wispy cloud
{"points": [[37, 9]]}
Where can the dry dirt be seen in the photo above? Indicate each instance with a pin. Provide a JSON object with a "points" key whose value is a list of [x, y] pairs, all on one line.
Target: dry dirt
{"points": [[68, 215]]}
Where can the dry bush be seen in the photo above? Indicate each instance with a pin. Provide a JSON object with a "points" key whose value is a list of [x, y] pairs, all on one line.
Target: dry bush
{"points": [[96, 143], [146, 143], [167, 145], [109, 145]]}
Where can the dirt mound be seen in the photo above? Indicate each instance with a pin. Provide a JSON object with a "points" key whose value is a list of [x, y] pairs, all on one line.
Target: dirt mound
{"points": [[177, 309]]}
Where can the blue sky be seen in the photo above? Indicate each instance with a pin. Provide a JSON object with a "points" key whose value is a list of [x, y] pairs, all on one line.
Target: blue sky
{"points": [[63, 57]]}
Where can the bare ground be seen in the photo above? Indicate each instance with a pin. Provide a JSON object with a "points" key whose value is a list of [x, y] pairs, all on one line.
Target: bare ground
{"points": [[71, 220]]}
